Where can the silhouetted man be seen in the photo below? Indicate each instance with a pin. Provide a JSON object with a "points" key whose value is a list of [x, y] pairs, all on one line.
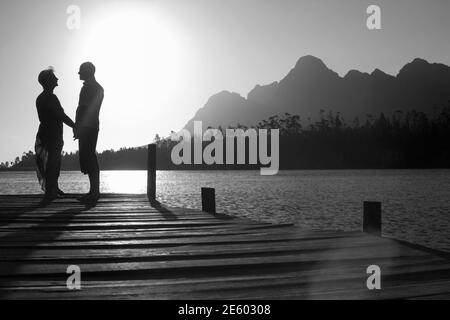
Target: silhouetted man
{"points": [[87, 127], [49, 139]]}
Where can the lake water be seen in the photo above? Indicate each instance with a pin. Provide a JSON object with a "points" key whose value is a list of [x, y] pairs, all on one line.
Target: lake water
{"points": [[415, 203]]}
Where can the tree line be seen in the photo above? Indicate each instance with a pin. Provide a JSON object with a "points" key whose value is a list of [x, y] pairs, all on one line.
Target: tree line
{"points": [[403, 140]]}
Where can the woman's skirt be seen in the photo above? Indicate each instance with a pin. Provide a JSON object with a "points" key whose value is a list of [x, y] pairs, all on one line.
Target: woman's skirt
{"points": [[48, 163], [41, 152]]}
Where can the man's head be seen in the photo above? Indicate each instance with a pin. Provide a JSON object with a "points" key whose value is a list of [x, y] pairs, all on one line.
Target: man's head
{"points": [[47, 79], [87, 70]]}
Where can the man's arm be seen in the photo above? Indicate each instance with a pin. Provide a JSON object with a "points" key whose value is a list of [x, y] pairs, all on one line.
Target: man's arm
{"points": [[83, 105]]}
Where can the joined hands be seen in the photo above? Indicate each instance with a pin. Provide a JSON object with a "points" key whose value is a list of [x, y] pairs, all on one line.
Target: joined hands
{"points": [[75, 132]]}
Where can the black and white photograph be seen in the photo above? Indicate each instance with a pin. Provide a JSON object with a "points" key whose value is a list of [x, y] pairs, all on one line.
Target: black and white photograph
{"points": [[223, 155]]}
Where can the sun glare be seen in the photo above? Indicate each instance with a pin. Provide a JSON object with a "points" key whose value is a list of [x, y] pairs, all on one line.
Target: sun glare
{"points": [[137, 53]]}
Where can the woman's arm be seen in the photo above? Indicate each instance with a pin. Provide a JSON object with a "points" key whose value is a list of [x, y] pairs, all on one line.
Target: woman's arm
{"points": [[62, 115], [67, 120]]}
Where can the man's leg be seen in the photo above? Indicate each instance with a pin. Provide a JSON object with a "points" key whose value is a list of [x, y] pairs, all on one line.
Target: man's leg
{"points": [[94, 172], [94, 181], [84, 155], [81, 155], [89, 161]]}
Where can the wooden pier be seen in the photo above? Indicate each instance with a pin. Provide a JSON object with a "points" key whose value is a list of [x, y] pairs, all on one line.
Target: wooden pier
{"points": [[128, 249]]}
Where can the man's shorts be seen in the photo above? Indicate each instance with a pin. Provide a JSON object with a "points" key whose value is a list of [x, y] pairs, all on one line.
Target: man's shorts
{"points": [[87, 143]]}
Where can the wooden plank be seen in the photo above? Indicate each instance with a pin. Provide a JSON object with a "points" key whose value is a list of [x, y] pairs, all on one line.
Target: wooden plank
{"points": [[241, 280], [305, 283], [31, 268], [198, 245], [127, 249], [189, 239]]}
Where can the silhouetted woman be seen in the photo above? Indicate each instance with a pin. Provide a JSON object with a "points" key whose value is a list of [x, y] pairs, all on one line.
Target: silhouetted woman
{"points": [[49, 139]]}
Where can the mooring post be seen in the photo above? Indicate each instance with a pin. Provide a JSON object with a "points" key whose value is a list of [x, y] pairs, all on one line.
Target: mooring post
{"points": [[372, 217], [209, 200], [151, 172]]}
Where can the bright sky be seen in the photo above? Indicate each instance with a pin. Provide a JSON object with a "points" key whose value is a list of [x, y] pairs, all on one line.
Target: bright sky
{"points": [[159, 61]]}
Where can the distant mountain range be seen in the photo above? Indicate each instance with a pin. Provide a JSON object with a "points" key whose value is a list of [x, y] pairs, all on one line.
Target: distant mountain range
{"points": [[311, 86]]}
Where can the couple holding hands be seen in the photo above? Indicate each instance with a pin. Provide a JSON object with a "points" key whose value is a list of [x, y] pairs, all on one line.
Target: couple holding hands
{"points": [[49, 139]]}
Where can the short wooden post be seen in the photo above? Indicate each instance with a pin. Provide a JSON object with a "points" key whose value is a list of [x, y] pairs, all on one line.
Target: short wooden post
{"points": [[372, 217], [151, 172], [209, 200]]}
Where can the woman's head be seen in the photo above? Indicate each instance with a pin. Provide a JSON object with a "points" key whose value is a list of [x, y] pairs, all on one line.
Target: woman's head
{"points": [[47, 79]]}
